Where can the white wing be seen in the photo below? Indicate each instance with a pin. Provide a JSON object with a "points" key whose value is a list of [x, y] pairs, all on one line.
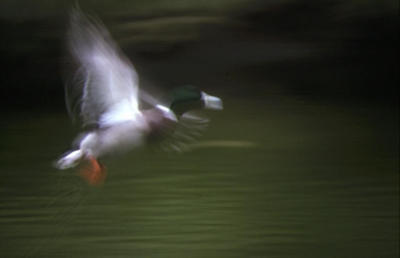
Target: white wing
{"points": [[106, 81]]}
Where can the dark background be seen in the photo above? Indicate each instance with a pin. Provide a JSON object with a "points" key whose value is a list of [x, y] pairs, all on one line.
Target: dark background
{"points": [[302, 162], [338, 50]]}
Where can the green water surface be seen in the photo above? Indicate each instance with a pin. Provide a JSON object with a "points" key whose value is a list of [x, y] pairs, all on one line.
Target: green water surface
{"points": [[271, 177]]}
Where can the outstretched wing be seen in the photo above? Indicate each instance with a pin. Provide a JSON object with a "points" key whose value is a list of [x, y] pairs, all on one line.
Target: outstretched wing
{"points": [[188, 130], [104, 88]]}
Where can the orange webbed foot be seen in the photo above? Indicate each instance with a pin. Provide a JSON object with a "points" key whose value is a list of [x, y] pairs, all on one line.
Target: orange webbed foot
{"points": [[93, 172]]}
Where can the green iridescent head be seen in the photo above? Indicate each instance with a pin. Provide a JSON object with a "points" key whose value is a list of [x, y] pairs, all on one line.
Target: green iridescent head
{"points": [[189, 97]]}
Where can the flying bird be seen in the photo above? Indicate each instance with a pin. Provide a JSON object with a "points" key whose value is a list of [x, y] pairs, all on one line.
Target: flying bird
{"points": [[105, 94]]}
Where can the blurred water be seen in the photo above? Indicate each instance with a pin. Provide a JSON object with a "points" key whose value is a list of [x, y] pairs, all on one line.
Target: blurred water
{"points": [[277, 177]]}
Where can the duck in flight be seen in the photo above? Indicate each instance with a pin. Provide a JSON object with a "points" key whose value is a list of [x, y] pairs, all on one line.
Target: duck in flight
{"points": [[106, 84]]}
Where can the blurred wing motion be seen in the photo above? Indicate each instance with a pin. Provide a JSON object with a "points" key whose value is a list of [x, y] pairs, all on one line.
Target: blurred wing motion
{"points": [[104, 89], [188, 130]]}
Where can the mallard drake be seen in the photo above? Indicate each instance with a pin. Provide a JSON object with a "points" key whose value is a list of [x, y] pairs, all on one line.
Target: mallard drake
{"points": [[105, 92]]}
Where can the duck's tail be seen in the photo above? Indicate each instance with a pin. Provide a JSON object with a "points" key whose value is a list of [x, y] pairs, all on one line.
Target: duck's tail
{"points": [[69, 160]]}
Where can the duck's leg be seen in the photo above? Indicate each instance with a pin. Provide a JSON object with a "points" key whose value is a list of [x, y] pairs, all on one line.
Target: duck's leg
{"points": [[94, 172]]}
